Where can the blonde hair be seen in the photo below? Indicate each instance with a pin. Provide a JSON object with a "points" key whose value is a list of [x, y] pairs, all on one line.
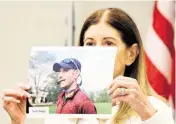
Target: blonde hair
{"points": [[120, 21], [125, 110]]}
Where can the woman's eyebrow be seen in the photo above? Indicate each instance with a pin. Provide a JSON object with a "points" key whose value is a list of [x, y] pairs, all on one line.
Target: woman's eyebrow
{"points": [[109, 38], [88, 38]]}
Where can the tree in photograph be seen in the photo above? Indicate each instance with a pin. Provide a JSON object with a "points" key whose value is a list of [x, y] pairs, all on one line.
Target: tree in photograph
{"points": [[39, 69], [102, 96], [92, 96], [52, 88]]}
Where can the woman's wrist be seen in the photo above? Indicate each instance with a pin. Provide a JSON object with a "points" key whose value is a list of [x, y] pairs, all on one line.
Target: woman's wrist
{"points": [[148, 113], [18, 121]]}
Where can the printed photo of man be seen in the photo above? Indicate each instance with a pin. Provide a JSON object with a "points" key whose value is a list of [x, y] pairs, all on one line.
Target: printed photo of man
{"points": [[72, 100]]}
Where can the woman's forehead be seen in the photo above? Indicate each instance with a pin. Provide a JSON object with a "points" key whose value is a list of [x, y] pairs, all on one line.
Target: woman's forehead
{"points": [[101, 30]]}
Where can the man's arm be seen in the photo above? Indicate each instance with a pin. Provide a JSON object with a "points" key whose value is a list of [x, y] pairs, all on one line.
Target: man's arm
{"points": [[87, 107]]}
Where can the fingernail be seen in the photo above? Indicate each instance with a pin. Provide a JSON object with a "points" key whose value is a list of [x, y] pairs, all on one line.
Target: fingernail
{"points": [[108, 92], [29, 96], [18, 101], [22, 95], [28, 86], [117, 103]]}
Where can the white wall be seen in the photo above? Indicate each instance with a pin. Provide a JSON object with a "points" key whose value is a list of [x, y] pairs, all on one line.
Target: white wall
{"points": [[25, 24]]}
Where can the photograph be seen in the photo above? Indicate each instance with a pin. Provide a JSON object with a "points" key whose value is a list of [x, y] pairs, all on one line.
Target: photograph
{"points": [[70, 80], [59, 63]]}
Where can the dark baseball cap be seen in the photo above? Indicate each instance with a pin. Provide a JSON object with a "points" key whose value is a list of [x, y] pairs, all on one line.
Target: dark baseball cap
{"points": [[68, 63]]}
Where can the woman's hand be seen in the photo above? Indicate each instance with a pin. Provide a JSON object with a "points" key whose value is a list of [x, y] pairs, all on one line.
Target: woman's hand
{"points": [[14, 102], [127, 90]]}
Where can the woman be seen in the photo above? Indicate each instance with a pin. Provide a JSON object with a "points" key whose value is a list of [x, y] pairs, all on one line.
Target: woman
{"points": [[134, 101]]}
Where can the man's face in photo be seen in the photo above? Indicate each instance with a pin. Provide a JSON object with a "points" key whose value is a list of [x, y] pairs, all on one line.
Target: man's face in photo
{"points": [[68, 76]]}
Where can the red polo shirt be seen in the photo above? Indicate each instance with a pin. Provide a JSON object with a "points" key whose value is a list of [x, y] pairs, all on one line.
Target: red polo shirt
{"points": [[78, 103]]}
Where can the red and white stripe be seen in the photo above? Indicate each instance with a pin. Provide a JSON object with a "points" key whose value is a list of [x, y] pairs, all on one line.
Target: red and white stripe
{"points": [[160, 51]]}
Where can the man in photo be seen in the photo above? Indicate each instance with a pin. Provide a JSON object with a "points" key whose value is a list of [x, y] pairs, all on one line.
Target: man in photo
{"points": [[71, 100]]}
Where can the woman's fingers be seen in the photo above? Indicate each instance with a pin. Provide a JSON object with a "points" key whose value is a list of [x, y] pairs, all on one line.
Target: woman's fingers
{"points": [[24, 86], [8, 99], [119, 99], [12, 93], [123, 89], [123, 82], [118, 92], [18, 93], [114, 81], [127, 98]]}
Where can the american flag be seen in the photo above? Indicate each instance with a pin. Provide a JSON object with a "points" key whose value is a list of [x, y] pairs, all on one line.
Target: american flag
{"points": [[160, 50]]}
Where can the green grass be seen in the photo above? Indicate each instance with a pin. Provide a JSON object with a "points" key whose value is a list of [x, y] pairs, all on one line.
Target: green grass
{"points": [[52, 109], [102, 108]]}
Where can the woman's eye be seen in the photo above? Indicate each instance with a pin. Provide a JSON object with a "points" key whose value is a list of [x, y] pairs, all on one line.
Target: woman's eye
{"points": [[89, 44], [109, 43]]}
